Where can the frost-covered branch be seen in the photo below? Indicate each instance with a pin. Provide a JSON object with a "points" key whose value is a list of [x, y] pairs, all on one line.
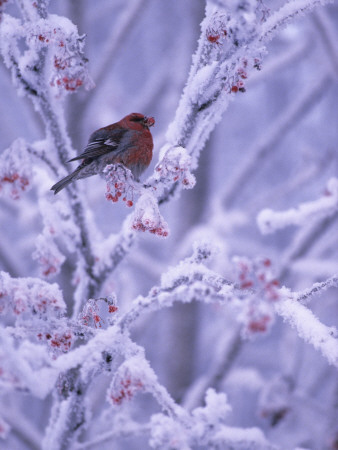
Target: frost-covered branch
{"points": [[129, 430], [300, 317], [189, 281], [305, 296], [303, 242], [36, 150], [21, 427], [309, 328], [226, 353], [52, 65], [278, 63], [293, 185], [205, 429], [230, 48], [270, 221], [93, 360], [223, 61], [268, 141], [329, 36], [285, 14]]}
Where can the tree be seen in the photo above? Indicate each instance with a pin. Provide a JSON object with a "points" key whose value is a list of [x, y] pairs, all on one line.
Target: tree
{"points": [[106, 318]]}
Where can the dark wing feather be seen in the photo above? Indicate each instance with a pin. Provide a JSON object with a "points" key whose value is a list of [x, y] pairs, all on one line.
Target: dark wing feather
{"points": [[101, 142]]}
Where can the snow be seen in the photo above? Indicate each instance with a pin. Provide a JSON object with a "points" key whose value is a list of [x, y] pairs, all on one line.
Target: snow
{"points": [[309, 328], [147, 216], [200, 85], [206, 428], [216, 409], [284, 15], [252, 438], [26, 296], [15, 170], [269, 221], [101, 340]]}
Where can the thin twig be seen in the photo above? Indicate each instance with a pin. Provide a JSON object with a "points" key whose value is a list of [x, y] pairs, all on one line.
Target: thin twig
{"points": [[284, 15], [227, 352], [22, 428], [305, 296], [277, 64], [117, 36], [44, 158], [284, 123], [126, 431], [304, 240], [329, 36]]}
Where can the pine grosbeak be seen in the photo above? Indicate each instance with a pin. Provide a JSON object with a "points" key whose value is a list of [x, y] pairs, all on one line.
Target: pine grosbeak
{"points": [[128, 142]]}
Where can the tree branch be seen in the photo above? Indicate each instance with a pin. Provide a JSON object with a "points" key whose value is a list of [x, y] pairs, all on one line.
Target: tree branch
{"points": [[268, 141]]}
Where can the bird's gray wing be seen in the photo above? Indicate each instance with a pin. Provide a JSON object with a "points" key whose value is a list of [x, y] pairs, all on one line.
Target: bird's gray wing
{"points": [[100, 144]]}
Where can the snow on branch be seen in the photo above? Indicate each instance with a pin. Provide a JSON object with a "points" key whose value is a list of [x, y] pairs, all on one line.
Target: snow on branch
{"points": [[15, 170], [39, 151], [174, 167], [285, 14], [175, 428], [146, 217], [135, 375], [258, 309], [21, 366], [190, 280], [270, 221], [55, 51], [51, 66], [22, 296], [266, 143], [256, 298], [206, 428], [187, 282], [57, 223], [230, 47], [129, 429], [220, 67], [310, 329], [305, 296]]}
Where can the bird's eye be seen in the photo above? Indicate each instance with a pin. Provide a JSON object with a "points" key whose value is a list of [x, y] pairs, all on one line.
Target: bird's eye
{"points": [[137, 118]]}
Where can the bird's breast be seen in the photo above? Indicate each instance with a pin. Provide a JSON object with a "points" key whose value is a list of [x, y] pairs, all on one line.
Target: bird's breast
{"points": [[138, 157]]}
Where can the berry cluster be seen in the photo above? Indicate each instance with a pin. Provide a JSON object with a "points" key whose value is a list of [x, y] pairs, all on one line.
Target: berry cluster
{"points": [[120, 184], [218, 29], [48, 256], [58, 342], [257, 313], [16, 184], [175, 166], [69, 66], [126, 390], [128, 381], [15, 169], [147, 217], [17, 298], [216, 36], [94, 309]]}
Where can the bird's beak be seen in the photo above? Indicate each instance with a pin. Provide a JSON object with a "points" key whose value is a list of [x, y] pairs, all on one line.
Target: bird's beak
{"points": [[149, 121]]}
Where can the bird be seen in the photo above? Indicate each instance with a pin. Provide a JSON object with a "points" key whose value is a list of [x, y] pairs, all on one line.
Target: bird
{"points": [[128, 142]]}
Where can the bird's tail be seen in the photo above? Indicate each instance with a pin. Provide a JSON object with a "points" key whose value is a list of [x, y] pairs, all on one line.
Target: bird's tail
{"points": [[64, 182]]}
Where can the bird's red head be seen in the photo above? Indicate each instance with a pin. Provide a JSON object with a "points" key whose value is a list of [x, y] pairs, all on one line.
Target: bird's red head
{"points": [[149, 121], [140, 119]]}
